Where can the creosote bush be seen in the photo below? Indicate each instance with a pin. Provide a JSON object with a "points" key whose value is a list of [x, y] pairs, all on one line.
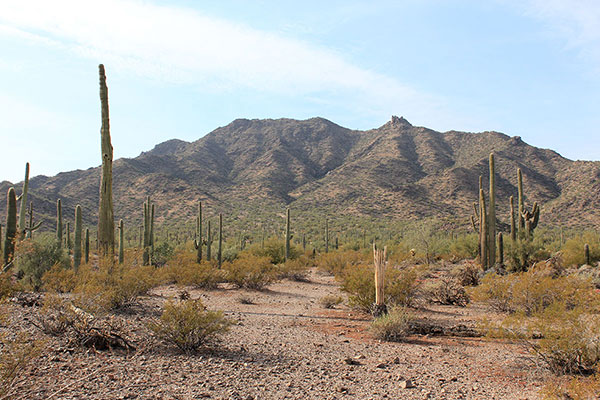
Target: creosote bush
{"points": [[250, 271], [188, 325], [337, 262], [393, 326], [274, 249], [34, 258], [183, 269], [447, 290], [532, 291], [110, 285]]}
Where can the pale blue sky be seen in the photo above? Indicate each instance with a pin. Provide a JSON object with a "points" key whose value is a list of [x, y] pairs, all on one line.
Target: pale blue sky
{"points": [[179, 69]]}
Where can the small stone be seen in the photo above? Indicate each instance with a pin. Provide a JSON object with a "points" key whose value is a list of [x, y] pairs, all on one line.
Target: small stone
{"points": [[396, 360], [342, 389], [406, 384], [381, 365], [351, 361]]}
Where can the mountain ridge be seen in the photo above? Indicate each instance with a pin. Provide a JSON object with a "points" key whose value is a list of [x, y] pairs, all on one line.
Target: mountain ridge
{"points": [[250, 168]]}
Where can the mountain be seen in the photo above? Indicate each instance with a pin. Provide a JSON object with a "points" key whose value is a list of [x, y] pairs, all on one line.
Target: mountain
{"points": [[250, 170]]}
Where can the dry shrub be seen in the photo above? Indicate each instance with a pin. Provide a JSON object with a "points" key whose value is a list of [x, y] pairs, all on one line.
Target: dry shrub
{"points": [[296, 269], [467, 274], [274, 249], [393, 326], [359, 282], [59, 279], [183, 269], [250, 271], [188, 325], [330, 301], [60, 317], [337, 262], [448, 291], [572, 388], [110, 285], [532, 291]]}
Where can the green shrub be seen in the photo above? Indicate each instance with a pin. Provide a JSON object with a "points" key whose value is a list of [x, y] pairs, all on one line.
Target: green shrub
{"points": [[465, 247], [572, 251], [532, 291], [162, 253], [393, 326], [59, 279], [274, 249], [188, 325], [337, 262], [183, 269], [250, 271], [33, 258]]}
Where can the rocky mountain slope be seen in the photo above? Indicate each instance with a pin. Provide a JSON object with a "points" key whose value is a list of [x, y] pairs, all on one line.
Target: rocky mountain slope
{"points": [[251, 169]]}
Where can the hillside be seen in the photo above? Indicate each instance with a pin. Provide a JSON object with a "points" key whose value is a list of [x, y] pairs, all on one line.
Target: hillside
{"points": [[252, 169]]}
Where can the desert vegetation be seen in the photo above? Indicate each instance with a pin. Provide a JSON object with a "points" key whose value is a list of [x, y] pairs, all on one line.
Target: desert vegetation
{"points": [[142, 292]]}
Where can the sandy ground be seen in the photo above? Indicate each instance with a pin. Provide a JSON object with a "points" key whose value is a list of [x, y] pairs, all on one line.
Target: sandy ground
{"points": [[286, 346]]}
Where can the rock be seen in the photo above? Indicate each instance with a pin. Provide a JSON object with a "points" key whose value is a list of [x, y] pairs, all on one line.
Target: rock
{"points": [[351, 361], [381, 365], [406, 384]]}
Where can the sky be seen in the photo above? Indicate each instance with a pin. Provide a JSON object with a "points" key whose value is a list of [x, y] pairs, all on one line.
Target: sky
{"points": [[180, 69]]}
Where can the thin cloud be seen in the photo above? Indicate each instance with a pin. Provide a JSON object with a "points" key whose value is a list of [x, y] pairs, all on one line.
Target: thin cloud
{"points": [[575, 22], [182, 46]]}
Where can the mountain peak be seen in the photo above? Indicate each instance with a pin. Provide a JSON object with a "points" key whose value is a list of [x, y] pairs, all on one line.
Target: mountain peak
{"points": [[397, 122]]}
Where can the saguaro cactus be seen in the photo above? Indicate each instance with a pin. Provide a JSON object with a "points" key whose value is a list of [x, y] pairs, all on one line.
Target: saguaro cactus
{"points": [[513, 224], [379, 259], [209, 241], [483, 230], [11, 227], [220, 248], [77, 248], [520, 199], [500, 249], [87, 245], [106, 222], [121, 242], [148, 231], [492, 215], [31, 227], [59, 224], [586, 254], [198, 242], [287, 235], [326, 236], [22, 210]]}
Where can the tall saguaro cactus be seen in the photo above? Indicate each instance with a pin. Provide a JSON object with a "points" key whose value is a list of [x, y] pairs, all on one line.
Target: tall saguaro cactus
{"points": [[148, 231], [483, 240], [287, 235], [11, 226], [22, 210], [77, 248], [520, 199], [513, 225], [492, 215], [106, 222]]}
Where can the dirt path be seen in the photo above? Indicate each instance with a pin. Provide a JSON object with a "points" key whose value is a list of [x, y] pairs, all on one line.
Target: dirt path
{"points": [[287, 346]]}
